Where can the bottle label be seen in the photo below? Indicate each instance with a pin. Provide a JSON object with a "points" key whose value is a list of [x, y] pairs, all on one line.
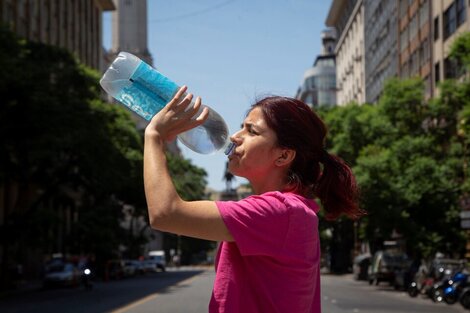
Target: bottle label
{"points": [[149, 92], [154, 81]]}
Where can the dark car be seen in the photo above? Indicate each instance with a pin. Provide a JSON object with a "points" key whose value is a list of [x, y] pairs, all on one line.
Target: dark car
{"points": [[385, 265], [61, 274]]}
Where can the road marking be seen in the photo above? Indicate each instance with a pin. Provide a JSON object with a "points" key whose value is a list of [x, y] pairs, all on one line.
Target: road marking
{"points": [[132, 305]]}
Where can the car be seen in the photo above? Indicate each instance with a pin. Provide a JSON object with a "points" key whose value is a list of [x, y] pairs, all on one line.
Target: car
{"points": [[360, 266], [385, 264], [114, 270], [132, 267], [61, 274]]}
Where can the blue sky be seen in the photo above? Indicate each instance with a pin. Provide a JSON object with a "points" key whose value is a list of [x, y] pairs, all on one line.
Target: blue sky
{"points": [[231, 52]]}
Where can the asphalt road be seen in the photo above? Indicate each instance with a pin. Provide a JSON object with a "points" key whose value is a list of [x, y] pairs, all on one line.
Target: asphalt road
{"points": [[342, 294], [188, 290]]}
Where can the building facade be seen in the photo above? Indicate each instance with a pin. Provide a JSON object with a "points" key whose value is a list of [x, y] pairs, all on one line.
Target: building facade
{"points": [[450, 18], [70, 24], [129, 26], [381, 27], [415, 41], [347, 17], [318, 86]]}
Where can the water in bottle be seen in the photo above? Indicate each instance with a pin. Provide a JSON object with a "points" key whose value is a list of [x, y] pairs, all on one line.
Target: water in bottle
{"points": [[146, 91]]}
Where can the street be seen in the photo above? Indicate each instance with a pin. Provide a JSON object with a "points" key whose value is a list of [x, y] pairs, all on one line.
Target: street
{"points": [[187, 290], [341, 294]]}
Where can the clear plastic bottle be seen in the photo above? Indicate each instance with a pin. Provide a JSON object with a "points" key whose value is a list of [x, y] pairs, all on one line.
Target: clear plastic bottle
{"points": [[146, 91]]}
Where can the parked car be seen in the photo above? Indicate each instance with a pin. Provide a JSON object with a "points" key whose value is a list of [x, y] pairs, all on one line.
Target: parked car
{"points": [[115, 269], [385, 265], [132, 267], [61, 274], [361, 266]]}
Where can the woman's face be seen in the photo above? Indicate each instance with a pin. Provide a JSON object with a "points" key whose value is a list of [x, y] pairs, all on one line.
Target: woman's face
{"points": [[255, 147]]}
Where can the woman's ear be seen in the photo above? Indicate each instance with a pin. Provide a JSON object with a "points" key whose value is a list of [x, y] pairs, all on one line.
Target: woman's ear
{"points": [[286, 157]]}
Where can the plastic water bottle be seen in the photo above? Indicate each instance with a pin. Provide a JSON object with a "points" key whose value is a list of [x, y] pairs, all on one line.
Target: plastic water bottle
{"points": [[146, 91]]}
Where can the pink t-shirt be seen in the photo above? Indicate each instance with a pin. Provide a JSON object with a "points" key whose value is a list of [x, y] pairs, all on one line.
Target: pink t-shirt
{"points": [[274, 263]]}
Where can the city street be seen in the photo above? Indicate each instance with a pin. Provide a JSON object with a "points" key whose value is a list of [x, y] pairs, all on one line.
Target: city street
{"points": [[187, 290], [341, 294]]}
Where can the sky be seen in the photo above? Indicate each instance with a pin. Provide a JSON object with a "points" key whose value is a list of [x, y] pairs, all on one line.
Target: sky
{"points": [[230, 53]]}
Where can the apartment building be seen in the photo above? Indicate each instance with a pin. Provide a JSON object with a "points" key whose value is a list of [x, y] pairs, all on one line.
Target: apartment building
{"points": [[70, 24], [415, 41], [347, 16], [450, 19], [380, 25], [318, 86]]}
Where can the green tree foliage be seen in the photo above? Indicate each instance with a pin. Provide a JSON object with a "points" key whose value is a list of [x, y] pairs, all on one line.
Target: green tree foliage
{"points": [[190, 184], [62, 150], [460, 49], [408, 158]]}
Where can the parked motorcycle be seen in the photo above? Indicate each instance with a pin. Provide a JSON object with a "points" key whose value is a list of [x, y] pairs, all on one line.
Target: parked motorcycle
{"points": [[458, 283], [445, 286]]}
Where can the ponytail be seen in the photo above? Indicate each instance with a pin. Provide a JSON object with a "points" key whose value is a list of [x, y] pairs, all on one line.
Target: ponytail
{"points": [[337, 188]]}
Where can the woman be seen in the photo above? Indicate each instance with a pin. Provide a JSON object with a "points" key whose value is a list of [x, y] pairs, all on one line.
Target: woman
{"points": [[269, 258]]}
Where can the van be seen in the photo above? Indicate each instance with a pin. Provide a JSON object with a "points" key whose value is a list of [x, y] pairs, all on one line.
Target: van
{"points": [[158, 257]]}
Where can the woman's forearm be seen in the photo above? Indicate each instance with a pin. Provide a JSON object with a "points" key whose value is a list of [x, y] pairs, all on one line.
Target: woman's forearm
{"points": [[160, 192]]}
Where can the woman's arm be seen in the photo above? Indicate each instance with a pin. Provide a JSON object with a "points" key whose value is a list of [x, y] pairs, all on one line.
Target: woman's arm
{"points": [[167, 211]]}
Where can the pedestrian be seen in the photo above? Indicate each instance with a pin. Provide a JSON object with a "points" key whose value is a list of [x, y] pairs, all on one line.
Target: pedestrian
{"points": [[269, 256]]}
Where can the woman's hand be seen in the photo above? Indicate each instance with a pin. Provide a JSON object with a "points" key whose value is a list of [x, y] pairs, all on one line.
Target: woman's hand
{"points": [[176, 117]]}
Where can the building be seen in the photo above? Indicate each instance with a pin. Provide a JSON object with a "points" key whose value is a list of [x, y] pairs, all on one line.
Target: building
{"points": [[347, 17], [70, 24], [381, 27], [450, 18], [415, 41], [318, 86], [129, 25]]}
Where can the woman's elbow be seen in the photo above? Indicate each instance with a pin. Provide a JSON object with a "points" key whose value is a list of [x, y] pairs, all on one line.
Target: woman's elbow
{"points": [[158, 218]]}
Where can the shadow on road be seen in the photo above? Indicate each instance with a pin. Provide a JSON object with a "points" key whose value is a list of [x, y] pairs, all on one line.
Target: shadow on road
{"points": [[105, 296]]}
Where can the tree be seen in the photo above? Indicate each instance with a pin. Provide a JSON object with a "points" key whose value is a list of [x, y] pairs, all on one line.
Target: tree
{"points": [[190, 184], [63, 152], [407, 159]]}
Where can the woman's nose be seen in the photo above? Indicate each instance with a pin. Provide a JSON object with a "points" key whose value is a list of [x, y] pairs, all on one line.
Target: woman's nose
{"points": [[235, 138]]}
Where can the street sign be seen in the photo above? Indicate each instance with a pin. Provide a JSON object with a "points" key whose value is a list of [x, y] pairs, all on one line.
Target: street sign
{"points": [[464, 214]]}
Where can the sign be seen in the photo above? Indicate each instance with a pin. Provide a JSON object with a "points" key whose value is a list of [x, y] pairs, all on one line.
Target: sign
{"points": [[465, 215]]}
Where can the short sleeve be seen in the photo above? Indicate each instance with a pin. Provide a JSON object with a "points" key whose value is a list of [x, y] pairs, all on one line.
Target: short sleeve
{"points": [[259, 224]]}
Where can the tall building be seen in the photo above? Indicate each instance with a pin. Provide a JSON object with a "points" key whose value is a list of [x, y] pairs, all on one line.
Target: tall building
{"points": [[129, 24], [70, 24], [347, 17], [450, 19], [415, 41], [381, 27], [318, 86], [129, 33]]}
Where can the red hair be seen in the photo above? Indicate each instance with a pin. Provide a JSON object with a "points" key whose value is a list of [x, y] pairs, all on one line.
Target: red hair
{"points": [[299, 128]]}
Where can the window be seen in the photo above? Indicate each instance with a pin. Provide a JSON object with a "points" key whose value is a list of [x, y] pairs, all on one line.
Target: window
{"points": [[450, 68], [404, 39], [450, 21], [436, 28], [413, 26], [461, 12], [423, 14], [437, 73], [403, 8]]}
